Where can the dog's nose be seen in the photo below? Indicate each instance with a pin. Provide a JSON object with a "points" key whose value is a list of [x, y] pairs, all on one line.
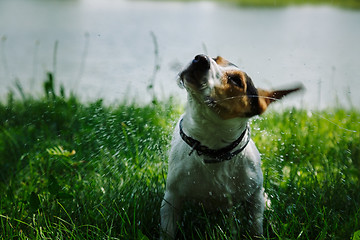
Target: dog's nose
{"points": [[201, 61]]}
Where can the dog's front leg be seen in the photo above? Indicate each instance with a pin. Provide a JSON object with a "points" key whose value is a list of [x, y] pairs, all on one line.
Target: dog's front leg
{"points": [[255, 207], [170, 215]]}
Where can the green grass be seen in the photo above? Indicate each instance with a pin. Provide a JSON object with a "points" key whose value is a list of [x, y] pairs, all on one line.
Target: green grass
{"points": [[72, 170]]}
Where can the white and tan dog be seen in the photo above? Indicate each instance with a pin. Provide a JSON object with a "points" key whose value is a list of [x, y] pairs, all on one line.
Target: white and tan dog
{"points": [[212, 160]]}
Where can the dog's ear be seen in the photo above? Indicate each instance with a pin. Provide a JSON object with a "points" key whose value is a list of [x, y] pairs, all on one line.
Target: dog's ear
{"points": [[266, 97]]}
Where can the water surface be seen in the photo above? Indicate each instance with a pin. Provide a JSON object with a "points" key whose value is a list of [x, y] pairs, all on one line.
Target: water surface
{"points": [[105, 48]]}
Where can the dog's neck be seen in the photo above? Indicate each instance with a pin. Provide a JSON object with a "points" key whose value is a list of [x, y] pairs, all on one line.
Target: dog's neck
{"points": [[203, 124]]}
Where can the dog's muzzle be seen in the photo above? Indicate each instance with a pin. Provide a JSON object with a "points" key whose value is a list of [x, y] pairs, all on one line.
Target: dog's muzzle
{"points": [[196, 71]]}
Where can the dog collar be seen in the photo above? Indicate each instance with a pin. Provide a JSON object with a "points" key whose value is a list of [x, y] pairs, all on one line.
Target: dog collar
{"points": [[215, 155]]}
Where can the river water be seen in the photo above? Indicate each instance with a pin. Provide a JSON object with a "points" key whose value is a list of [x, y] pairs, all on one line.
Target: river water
{"points": [[106, 48]]}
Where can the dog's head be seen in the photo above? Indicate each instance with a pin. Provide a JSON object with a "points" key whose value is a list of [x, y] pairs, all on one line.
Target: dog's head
{"points": [[229, 91]]}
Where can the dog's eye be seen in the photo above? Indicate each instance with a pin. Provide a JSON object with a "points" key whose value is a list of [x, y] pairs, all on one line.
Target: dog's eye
{"points": [[236, 80]]}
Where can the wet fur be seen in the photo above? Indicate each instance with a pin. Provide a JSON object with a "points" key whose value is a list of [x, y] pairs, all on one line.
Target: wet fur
{"points": [[221, 100]]}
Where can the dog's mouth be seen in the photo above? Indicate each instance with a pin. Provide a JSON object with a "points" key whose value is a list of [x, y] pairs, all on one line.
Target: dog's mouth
{"points": [[196, 74]]}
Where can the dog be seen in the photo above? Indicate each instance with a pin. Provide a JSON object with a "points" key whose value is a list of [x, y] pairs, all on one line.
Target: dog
{"points": [[213, 160]]}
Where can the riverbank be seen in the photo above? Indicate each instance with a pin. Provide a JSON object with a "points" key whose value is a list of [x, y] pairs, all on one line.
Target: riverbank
{"points": [[349, 4], [73, 170]]}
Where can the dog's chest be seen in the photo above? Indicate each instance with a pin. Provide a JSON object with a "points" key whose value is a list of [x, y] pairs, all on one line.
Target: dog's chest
{"points": [[214, 184]]}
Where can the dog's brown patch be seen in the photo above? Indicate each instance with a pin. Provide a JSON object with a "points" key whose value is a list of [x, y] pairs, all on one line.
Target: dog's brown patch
{"points": [[231, 98], [238, 97], [221, 61]]}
